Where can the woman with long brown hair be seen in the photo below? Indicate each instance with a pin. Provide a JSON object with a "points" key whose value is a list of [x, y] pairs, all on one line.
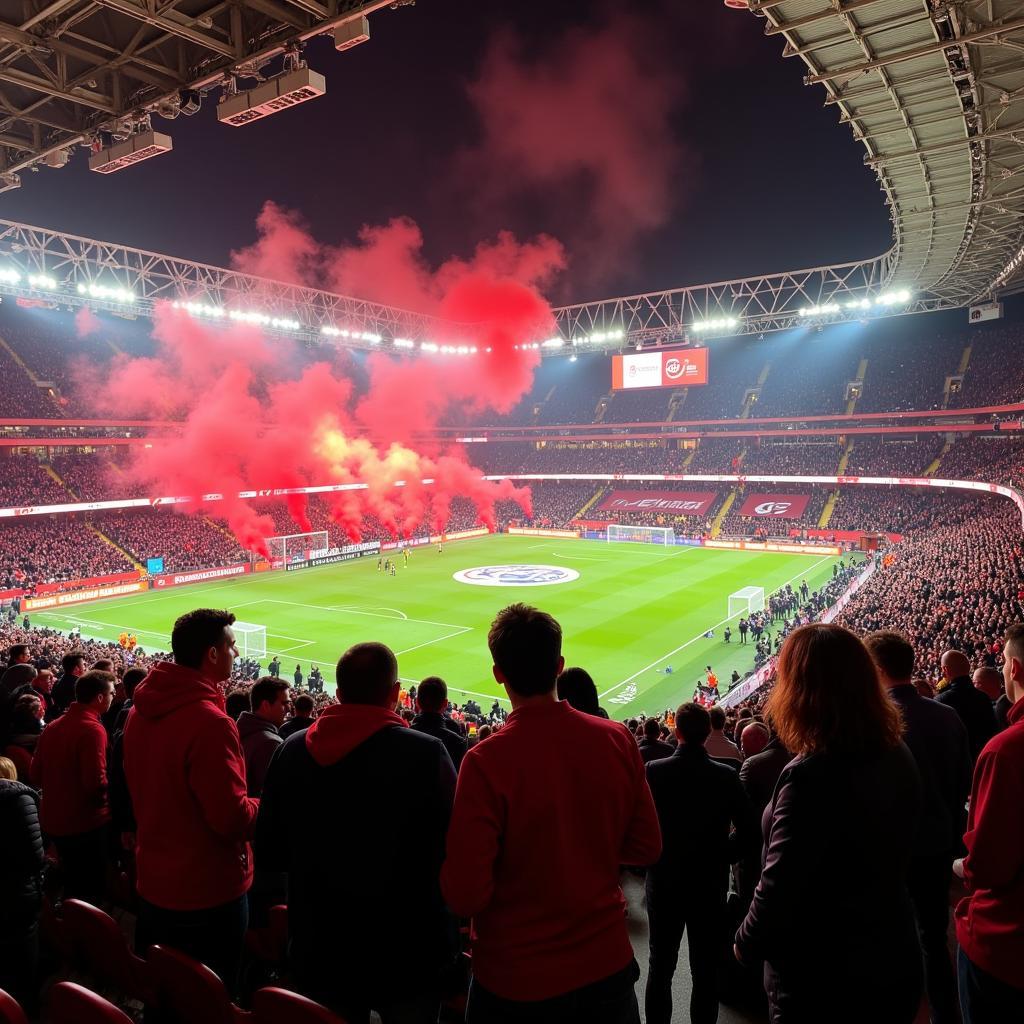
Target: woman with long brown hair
{"points": [[831, 917]]}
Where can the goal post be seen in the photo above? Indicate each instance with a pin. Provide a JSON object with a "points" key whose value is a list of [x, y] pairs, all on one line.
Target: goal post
{"points": [[745, 601], [250, 639], [298, 547], [617, 532]]}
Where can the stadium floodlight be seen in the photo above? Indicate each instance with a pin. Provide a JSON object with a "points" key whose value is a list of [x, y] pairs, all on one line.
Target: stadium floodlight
{"points": [[140, 146], [9, 276], [263, 320], [283, 92], [200, 309], [893, 298], [42, 283], [859, 304], [352, 33], [403, 343], [107, 293], [825, 309], [553, 343], [428, 346], [721, 323]]}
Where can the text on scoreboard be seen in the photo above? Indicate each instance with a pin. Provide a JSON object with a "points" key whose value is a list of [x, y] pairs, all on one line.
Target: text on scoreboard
{"points": [[668, 368]]}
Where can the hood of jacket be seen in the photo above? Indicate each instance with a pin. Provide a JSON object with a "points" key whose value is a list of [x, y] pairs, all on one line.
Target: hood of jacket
{"points": [[249, 724], [169, 687], [343, 727]]}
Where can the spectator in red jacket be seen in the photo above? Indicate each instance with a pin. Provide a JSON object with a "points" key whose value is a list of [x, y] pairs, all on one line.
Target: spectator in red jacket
{"points": [[70, 767], [990, 921], [534, 859], [186, 776]]}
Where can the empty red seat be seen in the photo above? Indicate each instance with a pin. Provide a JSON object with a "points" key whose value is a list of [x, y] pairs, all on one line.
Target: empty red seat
{"points": [[279, 1006], [73, 1004], [10, 1011], [191, 990], [99, 946]]}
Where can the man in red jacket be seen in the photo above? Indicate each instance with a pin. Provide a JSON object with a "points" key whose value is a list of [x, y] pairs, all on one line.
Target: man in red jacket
{"points": [[70, 767], [990, 921], [186, 776], [545, 813]]}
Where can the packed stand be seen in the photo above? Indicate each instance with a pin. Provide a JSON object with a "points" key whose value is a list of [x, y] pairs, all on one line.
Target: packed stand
{"points": [[995, 372], [54, 549], [792, 459], [904, 377], [24, 481], [96, 478], [182, 541], [21, 397], [876, 457]]}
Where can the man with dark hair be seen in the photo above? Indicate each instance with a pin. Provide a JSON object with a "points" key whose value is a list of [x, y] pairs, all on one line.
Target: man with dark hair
{"points": [[186, 776], [431, 702], [302, 716], [577, 687], [988, 920], [652, 746], [718, 745], [938, 741], [534, 859], [258, 729], [42, 686], [70, 767], [973, 707], [19, 654], [376, 794], [697, 800], [72, 665]]}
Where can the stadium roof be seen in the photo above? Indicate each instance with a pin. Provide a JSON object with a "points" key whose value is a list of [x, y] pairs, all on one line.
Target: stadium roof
{"points": [[934, 90], [69, 68]]}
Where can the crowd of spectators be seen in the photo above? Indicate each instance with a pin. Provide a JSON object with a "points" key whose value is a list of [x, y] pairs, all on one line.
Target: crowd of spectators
{"points": [[994, 373], [878, 457], [183, 541], [52, 549]]}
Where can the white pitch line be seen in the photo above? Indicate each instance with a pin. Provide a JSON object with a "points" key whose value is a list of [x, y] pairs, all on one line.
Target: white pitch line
{"points": [[399, 614], [682, 647], [457, 689], [578, 558], [352, 611], [436, 640]]}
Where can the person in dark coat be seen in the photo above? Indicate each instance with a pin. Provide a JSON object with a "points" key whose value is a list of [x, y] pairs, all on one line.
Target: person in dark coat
{"points": [[989, 680], [302, 715], [938, 741], [831, 916], [21, 873], [973, 707], [72, 665], [652, 746], [258, 729], [697, 800], [431, 701], [378, 795]]}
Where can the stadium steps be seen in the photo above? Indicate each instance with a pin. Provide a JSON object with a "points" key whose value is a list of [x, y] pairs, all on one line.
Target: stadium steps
{"points": [[117, 547], [748, 404], [844, 459], [862, 369], [933, 466], [716, 526], [676, 403], [826, 512], [690, 456], [965, 360], [595, 498]]}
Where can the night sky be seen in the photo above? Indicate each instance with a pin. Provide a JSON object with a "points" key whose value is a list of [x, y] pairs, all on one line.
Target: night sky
{"points": [[767, 179]]}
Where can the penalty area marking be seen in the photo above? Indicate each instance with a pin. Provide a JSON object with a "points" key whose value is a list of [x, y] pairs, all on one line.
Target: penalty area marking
{"points": [[682, 647]]}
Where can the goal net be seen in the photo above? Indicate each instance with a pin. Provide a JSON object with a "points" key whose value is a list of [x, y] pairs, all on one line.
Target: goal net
{"points": [[745, 601], [641, 534], [297, 547], [250, 639]]}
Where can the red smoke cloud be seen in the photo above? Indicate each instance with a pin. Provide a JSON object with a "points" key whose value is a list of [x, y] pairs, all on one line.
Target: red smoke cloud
{"points": [[252, 421], [86, 322], [587, 122]]}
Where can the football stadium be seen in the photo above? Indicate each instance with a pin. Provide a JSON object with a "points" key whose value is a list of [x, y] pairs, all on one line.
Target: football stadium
{"points": [[422, 599]]}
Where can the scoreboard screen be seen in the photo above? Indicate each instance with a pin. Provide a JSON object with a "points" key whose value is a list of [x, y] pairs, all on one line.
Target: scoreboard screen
{"points": [[665, 368]]}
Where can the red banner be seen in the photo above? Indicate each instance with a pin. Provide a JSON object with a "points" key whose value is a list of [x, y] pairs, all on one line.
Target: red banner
{"points": [[775, 506], [673, 368], [676, 503], [78, 596], [91, 581], [179, 579]]}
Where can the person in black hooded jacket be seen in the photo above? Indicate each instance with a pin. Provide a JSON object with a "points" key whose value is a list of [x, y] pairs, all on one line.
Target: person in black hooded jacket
{"points": [[373, 796], [21, 870], [431, 700]]}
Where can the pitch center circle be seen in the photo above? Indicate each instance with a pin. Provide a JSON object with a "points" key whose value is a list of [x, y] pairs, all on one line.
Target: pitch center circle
{"points": [[515, 575]]}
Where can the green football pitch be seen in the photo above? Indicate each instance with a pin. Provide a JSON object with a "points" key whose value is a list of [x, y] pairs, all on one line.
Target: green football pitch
{"points": [[633, 611]]}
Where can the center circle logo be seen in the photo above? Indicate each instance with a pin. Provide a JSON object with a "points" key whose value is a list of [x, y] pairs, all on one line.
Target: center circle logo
{"points": [[673, 368], [516, 575]]}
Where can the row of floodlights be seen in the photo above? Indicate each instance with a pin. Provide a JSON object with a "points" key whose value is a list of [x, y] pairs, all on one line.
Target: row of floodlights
{"points": [[896, 298], [242, 316]]}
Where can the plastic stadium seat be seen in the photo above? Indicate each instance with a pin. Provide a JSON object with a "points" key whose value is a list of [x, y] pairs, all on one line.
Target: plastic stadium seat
{"points": [[71, 1004], [279, 1006], [99, 946], [10, 1011], [191, 990]]}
